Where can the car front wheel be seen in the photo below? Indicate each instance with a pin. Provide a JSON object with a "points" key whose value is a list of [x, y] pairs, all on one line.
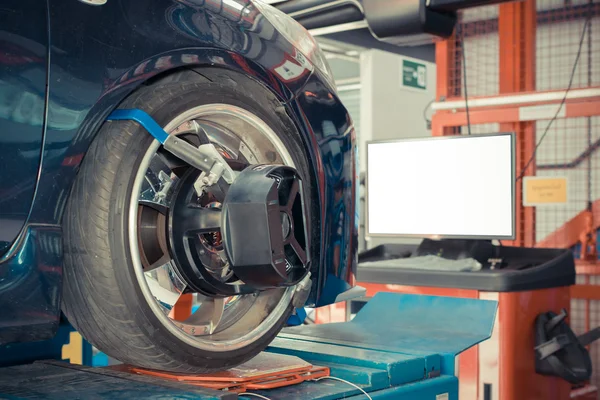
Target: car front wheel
{"points": [[123, 286]]}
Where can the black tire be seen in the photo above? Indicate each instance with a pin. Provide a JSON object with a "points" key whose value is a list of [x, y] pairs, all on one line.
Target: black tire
{"points": [[101, 295]]}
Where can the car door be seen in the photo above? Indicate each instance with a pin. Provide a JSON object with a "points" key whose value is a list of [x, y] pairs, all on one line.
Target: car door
{"points": [[23, 76]]}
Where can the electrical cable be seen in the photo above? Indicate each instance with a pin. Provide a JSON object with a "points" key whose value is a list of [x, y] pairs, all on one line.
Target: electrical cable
{"points": [[464, 68], [345, 381], [564, 99], [260, 396]]}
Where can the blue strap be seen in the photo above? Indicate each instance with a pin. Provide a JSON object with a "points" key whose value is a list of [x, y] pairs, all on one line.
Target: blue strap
{"points": [[142, 118]]}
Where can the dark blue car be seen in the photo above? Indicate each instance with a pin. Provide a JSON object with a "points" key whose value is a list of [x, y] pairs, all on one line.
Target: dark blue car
{"points": [[153, 155]]}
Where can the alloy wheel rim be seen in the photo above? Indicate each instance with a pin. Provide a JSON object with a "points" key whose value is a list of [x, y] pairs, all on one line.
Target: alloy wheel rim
{"points": [[218, 324]]}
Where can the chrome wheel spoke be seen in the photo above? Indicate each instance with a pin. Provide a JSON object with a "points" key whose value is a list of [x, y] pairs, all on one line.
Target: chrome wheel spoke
{"points": [[209, 313], [152, 180], [165, 285], [158, 263], [201, 134], [160, 208]]}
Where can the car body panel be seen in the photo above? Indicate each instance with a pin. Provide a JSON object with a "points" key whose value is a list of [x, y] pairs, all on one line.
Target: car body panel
{"points": [[30, 285], [101, 54], [23, 75], [333, 150]]}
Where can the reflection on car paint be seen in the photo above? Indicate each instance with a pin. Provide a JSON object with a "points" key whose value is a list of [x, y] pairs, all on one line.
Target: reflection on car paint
{"points": [[331, 130], [23, 83], [30, 287]]}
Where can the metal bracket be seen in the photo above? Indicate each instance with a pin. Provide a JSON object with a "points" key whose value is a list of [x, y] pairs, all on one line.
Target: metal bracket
{"points": [[587, 338], [555, 321], [302, 291], [550, 347], [205, 157]]}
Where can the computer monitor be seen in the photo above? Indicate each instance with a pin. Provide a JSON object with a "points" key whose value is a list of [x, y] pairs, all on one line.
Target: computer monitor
{"points": [[442, 187]]}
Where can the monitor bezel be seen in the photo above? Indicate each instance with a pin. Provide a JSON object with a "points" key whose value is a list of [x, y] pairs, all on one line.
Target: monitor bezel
{"points": [[450, 137]]}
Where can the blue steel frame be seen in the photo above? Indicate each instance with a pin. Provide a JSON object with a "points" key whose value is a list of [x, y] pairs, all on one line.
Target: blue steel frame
{"points": [[399, 346]]}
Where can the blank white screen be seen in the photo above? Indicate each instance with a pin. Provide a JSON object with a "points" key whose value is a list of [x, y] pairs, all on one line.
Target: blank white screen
{"points": [[441, 187]]}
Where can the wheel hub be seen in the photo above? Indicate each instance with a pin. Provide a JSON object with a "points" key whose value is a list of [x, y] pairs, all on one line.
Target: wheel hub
{"points": [[193, 230], [268, 200], [216, 322], [258, 243], [286, 224]]}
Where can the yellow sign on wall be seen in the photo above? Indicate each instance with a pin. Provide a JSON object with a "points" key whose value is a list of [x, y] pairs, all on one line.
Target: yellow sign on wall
{"points": [[540, 190]]}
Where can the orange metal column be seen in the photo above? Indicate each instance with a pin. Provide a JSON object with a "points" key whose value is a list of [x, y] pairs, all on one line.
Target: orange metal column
{"points": [[517, 311], [518, 379], [516, 31], [445, 57]]}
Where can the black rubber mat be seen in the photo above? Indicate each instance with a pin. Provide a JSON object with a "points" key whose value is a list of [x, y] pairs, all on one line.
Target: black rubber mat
{"points": [[58, 380]]}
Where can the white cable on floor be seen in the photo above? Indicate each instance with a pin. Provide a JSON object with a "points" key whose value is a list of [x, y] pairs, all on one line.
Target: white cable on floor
{"points": [[260, 396], [345, 381]]}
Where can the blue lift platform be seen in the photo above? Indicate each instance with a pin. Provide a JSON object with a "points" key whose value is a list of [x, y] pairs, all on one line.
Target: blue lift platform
{"points": [[399, 346]]}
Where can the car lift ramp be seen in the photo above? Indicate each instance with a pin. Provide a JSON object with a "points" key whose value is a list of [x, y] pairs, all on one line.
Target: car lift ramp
{"points": [[399, 346]]}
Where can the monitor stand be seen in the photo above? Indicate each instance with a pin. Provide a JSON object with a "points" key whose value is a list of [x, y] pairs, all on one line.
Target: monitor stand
{"points": [[457, 249], [504, 268]]}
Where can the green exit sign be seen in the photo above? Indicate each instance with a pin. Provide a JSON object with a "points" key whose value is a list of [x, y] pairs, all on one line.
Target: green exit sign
{"points": [[414, 75]]}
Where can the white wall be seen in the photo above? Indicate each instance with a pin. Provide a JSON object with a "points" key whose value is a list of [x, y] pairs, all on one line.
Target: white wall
{"points": [[387, 109]]}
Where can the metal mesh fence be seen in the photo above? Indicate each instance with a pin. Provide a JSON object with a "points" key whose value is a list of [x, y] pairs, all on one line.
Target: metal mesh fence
{"points": [[570, 147], [477, 31], [480, 129], [559, 27]]}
